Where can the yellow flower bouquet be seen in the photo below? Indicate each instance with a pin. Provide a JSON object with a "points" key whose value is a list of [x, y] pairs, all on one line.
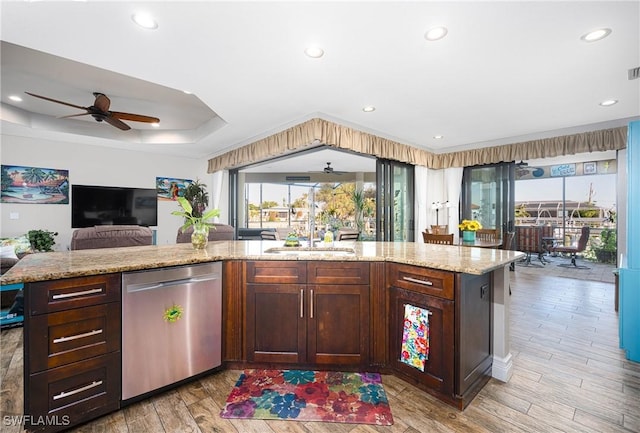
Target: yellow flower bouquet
{"points": [[469, 225]]}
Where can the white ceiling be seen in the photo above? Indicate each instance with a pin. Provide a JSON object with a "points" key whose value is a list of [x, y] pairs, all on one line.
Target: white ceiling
{"points": [[506, 71]]}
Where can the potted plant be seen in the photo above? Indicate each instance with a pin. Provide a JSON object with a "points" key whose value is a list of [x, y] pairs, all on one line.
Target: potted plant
{"points": [[196, 194], [42, 240], [469, 228], [607, 247], [200, 223]]}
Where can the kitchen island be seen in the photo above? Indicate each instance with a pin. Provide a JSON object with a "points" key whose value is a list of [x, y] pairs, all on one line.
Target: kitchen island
{"points": [[339, 307]]}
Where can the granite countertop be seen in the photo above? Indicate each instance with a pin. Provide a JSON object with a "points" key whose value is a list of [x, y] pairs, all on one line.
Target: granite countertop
{"points": [[56, 265]]}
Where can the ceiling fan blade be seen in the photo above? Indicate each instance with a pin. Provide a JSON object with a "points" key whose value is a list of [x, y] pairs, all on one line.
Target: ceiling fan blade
{"points": [[102, 103], [134, 117], [55, 100], [117, 123], [74, 115]]}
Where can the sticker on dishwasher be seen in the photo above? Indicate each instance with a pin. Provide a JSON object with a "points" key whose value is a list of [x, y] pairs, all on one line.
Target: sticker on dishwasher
{"points": [[173, 313]]}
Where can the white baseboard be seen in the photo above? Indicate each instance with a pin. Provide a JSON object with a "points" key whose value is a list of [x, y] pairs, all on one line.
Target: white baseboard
{"points": [[502, 368]]}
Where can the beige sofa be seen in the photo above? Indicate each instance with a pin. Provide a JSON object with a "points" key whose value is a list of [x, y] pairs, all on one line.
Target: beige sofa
{"points": [[111, 236]]}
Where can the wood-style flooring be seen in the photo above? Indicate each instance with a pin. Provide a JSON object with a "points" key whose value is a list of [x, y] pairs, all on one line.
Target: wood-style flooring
{"points": [[569, 376]]}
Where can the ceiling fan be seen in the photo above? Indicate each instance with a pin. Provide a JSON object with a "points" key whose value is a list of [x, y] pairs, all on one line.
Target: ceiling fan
{"points": [[100, 111], [329, 170]]}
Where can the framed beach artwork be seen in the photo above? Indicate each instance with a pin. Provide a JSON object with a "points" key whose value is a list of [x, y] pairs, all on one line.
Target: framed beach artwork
{"points": [[34, 185], [170, 188]]}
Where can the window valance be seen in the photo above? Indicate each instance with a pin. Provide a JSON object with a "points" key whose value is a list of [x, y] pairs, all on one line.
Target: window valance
{"points": [[317, 132]]}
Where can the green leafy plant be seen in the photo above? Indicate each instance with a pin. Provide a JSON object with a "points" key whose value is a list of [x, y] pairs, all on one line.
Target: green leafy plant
{"points": [[606, 248], [196, 194], [190, 216], [42, 240]]}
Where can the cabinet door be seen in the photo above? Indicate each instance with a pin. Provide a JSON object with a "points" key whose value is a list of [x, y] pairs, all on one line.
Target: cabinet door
{"points": [[439, 367], [276, 323], [473, 334], [338, 324]]}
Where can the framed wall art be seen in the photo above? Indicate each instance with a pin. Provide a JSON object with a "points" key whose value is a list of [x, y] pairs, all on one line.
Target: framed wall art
{"points": [[170, 188], [34, 185]]}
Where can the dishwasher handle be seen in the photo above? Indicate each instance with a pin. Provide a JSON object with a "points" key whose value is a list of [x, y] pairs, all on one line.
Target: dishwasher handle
{"points": [[161, 284]]}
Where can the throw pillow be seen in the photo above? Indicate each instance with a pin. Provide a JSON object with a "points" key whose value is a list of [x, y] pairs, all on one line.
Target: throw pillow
{"points": [[21, 244], [8, 252]]}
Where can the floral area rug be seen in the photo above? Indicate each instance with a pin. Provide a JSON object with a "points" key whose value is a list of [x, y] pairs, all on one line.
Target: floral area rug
{"points": [[300, 395]]}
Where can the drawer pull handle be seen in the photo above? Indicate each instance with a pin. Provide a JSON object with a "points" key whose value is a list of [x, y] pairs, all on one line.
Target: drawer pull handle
{"points": [[311, 306], [301, 303], [76, 391], [415, 280], [75, 337], [74, 294]]}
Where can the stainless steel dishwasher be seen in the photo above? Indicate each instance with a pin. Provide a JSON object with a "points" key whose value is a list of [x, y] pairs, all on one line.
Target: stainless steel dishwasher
{"points": [[171, 325]]}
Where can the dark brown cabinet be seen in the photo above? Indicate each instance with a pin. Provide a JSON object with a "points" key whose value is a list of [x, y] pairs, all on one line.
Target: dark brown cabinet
{"points": [[318, 314], [459, 306], [72, 351], [438, 369]]}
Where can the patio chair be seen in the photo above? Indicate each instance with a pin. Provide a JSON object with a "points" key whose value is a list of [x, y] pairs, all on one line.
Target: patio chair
{"points": [[573, 250], [269, 235], [529, 241], [347, 235]]}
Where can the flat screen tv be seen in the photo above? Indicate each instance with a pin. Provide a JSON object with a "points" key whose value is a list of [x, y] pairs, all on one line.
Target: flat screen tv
{"points": [[105, 205]]}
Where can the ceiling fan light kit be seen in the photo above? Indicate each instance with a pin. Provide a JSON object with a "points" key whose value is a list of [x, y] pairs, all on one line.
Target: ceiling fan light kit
{"points": [[100, 111]]}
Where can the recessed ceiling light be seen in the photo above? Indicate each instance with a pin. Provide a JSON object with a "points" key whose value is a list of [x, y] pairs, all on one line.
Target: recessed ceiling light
{"points": [[155, 125], [369, 109], [186, 92], [15, 98], [438, 137], [436, 33], [596, 35], [144, 20], [609, 102], [314, 52]]}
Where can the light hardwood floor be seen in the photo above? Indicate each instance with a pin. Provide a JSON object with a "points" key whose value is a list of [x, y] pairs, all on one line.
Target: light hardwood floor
{"points": [[569, 376]]}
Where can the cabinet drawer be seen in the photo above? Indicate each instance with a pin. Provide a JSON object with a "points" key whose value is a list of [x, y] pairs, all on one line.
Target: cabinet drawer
{"points": [[277, 272], [76, 392], [68, 336], [50, 296], [428, 281], [325, 272]]}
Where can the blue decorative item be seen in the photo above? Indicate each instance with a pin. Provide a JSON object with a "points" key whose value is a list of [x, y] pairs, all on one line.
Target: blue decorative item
{"points": [[468, 236]]}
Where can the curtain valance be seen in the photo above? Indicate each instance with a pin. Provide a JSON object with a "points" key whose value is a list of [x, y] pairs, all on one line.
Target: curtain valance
{"points": [[317, 132]]}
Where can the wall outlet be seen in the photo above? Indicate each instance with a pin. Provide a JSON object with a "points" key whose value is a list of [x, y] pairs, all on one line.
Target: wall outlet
{"points": [[14, 215]]}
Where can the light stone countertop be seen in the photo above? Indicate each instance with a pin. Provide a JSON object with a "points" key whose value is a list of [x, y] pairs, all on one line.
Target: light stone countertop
{"points": [[67, 264]]}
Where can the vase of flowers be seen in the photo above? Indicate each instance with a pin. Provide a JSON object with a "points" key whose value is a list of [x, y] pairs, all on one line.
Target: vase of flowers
{"points": [[200, 236], [469, 228]]}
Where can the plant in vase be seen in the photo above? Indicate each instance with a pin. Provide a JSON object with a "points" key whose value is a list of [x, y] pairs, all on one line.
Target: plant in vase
{"points": [[200, 224], [469, 228]]}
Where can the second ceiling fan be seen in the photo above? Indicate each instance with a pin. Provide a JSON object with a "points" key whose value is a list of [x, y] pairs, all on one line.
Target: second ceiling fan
{"points": [[100, 111], [330, 170]]}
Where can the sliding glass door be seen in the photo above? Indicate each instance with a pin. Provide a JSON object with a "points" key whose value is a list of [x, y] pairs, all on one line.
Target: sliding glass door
{"points": [[394, 201], [488, 195]]}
